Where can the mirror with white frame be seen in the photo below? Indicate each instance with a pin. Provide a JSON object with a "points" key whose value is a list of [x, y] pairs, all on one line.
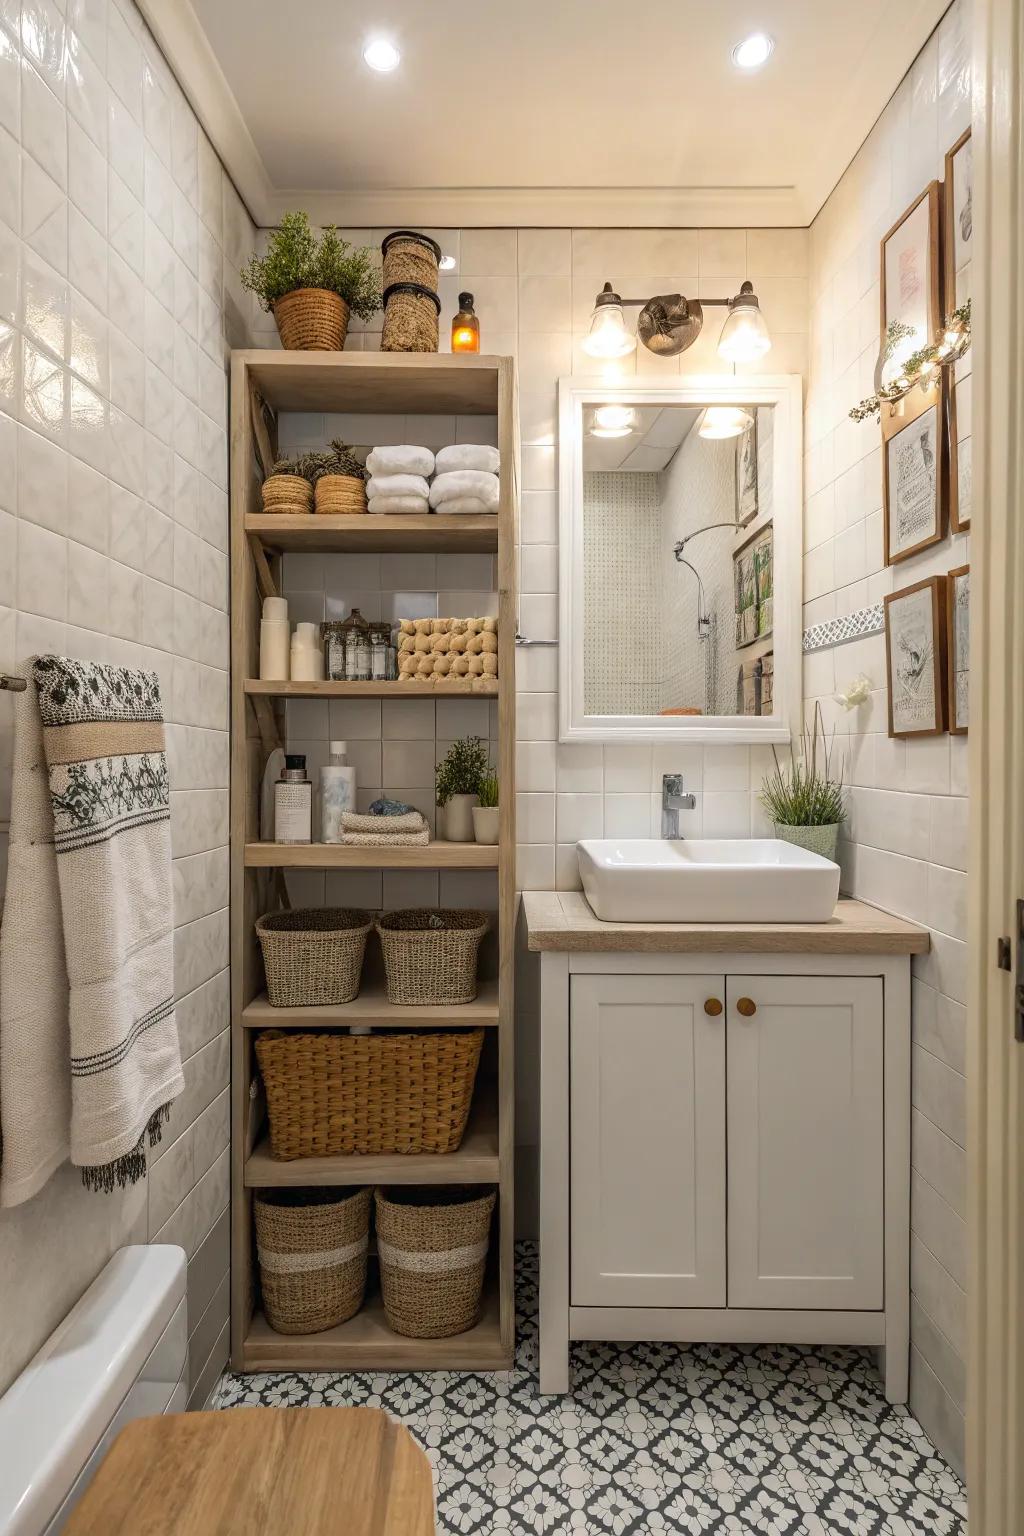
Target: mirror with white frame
{"points": [[680, 542]]}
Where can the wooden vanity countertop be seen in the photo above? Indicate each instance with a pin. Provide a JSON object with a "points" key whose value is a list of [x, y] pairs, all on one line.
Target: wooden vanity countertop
{"points": [[562, 920]]}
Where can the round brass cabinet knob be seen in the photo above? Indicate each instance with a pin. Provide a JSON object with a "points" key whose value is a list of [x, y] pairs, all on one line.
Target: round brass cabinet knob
{"points": [[712, 1007], [747, 1007]]}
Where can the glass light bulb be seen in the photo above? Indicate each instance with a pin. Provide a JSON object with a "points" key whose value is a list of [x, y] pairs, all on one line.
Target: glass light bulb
{"points": [[608, 336], [745, 336], [381, 55], [613, 420], [721, 421], [754, 51]]}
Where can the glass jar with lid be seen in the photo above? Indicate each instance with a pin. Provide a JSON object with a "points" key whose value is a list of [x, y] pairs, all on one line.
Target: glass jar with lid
{"points": [[332, 635], [356, 631], [380, 638]]}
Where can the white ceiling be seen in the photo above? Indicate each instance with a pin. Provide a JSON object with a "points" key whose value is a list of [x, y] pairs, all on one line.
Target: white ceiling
{"points": [[540, 111], [660, 430]]}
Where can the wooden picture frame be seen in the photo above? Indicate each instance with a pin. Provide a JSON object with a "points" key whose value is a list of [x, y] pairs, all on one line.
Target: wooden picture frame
{"points": [[915, 658], [958, 198], [911, 278], [746, 475], [958, 652], [913, 481], [754, 576]]}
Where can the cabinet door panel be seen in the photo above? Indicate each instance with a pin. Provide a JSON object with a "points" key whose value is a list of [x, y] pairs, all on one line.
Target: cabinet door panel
{"points": [[805, 1097], [647, 1136]]}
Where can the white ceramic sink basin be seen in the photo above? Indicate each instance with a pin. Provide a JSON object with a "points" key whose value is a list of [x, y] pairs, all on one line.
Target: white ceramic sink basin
{"points": [[706, 880]]}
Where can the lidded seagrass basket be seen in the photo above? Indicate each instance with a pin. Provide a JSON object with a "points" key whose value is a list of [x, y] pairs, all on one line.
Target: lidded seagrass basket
{"points": [[410, 257], [411, 314], [432, 1245], [312, 1246]]}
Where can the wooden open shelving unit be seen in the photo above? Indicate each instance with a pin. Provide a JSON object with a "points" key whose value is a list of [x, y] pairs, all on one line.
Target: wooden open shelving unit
{"points": [[262, 385]]}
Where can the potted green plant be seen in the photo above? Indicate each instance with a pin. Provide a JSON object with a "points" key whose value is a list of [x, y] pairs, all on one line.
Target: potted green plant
{"points": [[485, 815], [288, 487], [312, 284], [805, 799], [457, 779]]}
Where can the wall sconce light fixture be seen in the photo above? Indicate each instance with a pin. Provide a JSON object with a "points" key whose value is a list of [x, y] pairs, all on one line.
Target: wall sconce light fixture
{"points": [[612, 421], [670, 322], [719, 421]]}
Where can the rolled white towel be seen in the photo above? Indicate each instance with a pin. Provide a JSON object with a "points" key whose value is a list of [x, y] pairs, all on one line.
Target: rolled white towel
{"points": [[400, 459], [406, 506], [464, 482], [396, 485], [467, 456], [472, 505]]}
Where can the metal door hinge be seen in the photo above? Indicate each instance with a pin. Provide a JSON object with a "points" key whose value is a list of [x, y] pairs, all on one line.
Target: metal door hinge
{"points": [[1003, 955], [1018, 990]]}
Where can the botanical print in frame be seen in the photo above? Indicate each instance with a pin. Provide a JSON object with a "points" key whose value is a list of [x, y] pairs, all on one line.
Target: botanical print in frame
{"points": [[746, 597], [959, 645], [746, 475], [915, 657], [959, 228], [912, 480], [910, 293]]}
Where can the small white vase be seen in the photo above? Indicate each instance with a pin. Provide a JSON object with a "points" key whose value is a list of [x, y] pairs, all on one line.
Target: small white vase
{"points": [[458, 818], [485, 823]]}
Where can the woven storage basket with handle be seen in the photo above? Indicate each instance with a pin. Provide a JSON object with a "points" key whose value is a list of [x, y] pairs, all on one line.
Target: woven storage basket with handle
{"points": [[430, 954], [312, 320], [312, 1253], [338, 1093], [313, 956], [432, 1245]]}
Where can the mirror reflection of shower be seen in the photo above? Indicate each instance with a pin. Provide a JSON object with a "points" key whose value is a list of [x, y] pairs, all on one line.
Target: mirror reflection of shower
{"points": [[707, 636]]}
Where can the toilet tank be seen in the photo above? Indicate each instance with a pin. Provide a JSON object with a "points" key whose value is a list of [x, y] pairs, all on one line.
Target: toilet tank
{"points": [[121, 1353]]}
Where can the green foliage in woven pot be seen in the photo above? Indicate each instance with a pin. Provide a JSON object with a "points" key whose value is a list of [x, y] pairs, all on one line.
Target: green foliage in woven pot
{"points": [[804, 798]]}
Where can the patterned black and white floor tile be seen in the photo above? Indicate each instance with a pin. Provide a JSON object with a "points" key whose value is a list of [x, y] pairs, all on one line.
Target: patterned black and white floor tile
{"points": [[655, 1440]]}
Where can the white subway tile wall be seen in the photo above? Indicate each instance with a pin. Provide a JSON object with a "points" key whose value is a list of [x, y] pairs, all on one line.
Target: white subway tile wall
{"points": [[906, 845], [120, 239]]}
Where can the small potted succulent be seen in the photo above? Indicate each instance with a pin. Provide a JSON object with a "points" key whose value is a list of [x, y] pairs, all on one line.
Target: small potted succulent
{"points": [[312, 284], [485, 815], [457, 780], [804, 799]]}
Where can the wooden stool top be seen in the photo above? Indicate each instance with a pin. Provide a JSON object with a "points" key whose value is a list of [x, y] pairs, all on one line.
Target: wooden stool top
{"points": [[260, 1472]]}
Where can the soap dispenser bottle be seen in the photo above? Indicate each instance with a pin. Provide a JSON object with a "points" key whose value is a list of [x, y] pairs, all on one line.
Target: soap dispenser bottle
{"points": [[337, 792], [293, 802]]}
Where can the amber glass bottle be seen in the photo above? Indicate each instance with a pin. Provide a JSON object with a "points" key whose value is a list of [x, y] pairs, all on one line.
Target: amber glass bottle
{"points": [[466, 326]]}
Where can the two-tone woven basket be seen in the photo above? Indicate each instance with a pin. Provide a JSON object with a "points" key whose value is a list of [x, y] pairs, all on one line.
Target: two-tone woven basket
{"points": [[432, 1246], [430, 954], [313, 956], [312, 320], [331, 1093], [312, 1247]]}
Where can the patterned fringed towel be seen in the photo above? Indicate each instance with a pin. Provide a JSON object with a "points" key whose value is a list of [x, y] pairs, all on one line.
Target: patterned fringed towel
{"points": [[107, 832]]}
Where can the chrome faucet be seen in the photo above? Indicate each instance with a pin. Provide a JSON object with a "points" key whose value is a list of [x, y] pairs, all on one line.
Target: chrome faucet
{"points": [[673, 800]]}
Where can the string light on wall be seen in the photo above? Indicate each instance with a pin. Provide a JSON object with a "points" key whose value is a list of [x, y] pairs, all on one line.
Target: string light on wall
{"points": [[897, 372]]}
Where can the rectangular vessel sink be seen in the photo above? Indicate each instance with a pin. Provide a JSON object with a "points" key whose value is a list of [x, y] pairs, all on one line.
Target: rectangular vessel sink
{"points": [[706, 880]]}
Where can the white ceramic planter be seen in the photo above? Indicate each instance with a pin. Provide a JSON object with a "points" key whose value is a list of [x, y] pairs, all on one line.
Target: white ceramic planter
{"points": [[821, 840], [458, 818], [485, 823]]}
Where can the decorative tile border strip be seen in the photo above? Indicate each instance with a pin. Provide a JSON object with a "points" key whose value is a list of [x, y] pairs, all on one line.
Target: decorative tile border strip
{"points": [[853, 626]]}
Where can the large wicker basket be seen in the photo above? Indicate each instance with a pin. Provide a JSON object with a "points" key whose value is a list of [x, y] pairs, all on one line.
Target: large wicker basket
{"points": [[287, 493], [432, 1245], [313, 956], [329, 1093], [312, 1248], [430, 954], [312, 320]]}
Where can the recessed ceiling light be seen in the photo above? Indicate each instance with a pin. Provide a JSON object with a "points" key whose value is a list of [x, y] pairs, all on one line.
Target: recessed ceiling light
{"points": [[754, 51], [447, 263], [381, 55]]}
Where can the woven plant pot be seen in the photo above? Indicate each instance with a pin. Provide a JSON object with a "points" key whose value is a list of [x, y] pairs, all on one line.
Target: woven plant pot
{"points": [[820, 840], [410, 257], [410, 319], [313, 956], [336, 495], [431, 964], [311, 1247], [330, 1093], [312, 320], [432, 1246], [287, 493]]}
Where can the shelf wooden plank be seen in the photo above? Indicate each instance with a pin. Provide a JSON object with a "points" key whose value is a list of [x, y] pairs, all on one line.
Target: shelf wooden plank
{"points": [[436, 855], [475, 1162], [366, 533], [445, 688], [372, 1007], [367, 1341], [405, 383]]}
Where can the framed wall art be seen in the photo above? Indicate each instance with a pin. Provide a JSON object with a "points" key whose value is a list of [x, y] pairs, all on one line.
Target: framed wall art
{"points": [[753, 570], [959, 231], [912, 484], [959, 648], [911, 276], [915, 658], [746, 475]]}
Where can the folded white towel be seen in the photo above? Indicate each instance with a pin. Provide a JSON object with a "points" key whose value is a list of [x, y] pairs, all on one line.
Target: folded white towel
{"points": [[396, 485], [470, 505], [401, 459], [467, 456], [464, 482], [403, 506]]}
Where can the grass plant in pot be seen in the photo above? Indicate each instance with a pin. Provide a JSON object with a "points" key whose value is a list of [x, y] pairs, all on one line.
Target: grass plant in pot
{"points": [[485, 815], [312, 283], [804, 798], [457, 779]]}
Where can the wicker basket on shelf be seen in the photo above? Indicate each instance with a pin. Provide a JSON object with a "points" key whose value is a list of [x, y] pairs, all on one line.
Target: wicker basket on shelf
{"points": [[312, 1247], [410, 319], [430, 954], [337, 495], [288, 494], [313, 956], [410, 257], [330, 1094], [432, 1245], [312, 320]]}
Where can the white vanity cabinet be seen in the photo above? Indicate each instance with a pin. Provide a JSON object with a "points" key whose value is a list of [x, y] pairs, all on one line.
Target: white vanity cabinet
{"points": [[725, 1132]]}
